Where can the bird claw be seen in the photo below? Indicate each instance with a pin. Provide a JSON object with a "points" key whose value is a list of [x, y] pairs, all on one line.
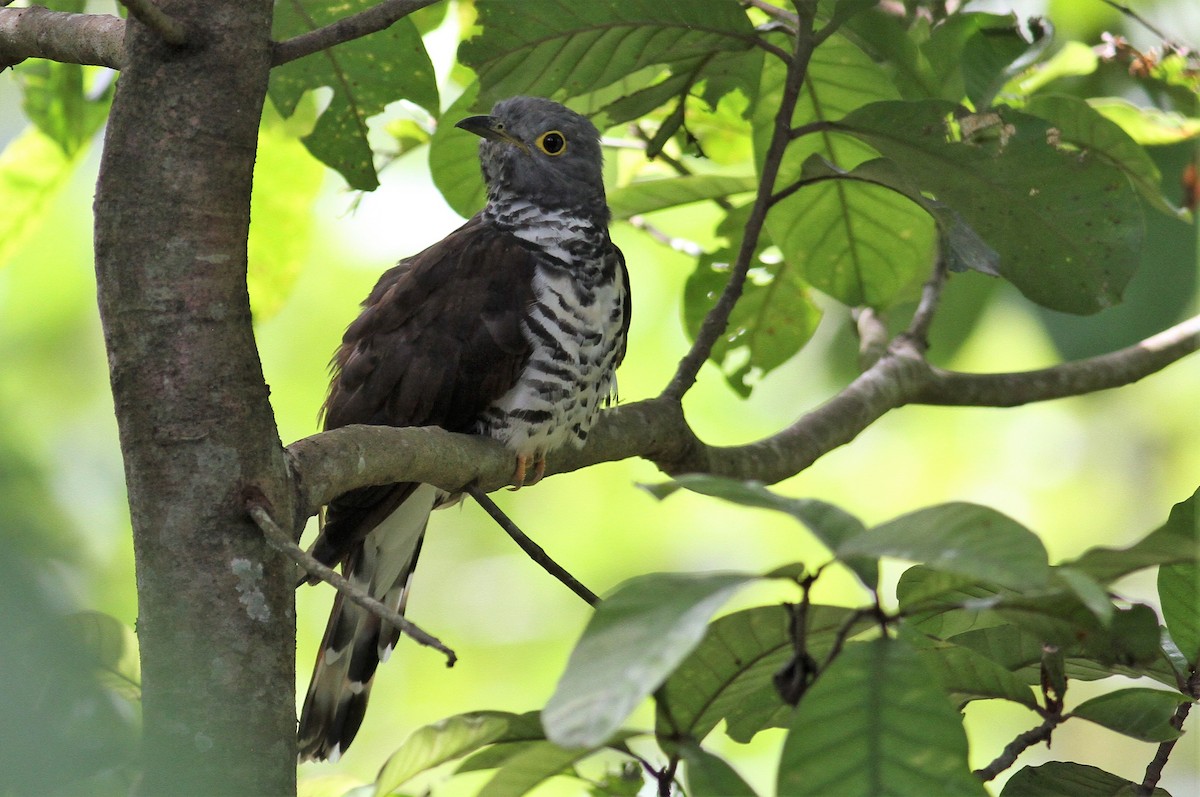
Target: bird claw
{"points": [[539, 470]]}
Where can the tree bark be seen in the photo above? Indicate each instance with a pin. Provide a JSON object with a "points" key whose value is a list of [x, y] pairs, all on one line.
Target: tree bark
{"points": [[216, 612]]}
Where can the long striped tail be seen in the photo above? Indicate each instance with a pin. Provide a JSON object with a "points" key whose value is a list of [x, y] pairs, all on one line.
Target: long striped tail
{"points": [[355, 640]]}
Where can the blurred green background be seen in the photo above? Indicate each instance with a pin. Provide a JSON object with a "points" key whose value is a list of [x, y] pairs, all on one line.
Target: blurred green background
{"points": [[1100, 469]]}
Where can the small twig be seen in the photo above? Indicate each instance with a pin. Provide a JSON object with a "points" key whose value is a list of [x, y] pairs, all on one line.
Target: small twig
{"points": [[534, 551], [773, 11], [1155, 768], [364, 23], [872, 336], [281, 541], [1019, 745], [931, 294], [37, 32], [689, 248], [166, 26], [1136, 17], [679, 166]]}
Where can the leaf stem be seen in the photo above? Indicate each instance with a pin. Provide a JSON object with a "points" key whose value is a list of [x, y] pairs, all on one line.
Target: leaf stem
{"points": [[1019, 745]]}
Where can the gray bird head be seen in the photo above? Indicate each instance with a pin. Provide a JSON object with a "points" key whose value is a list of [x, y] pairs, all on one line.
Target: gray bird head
{"points": [[536, 150]]}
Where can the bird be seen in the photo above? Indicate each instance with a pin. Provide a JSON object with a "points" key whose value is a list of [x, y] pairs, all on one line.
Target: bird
{"points": [[511, 327]]}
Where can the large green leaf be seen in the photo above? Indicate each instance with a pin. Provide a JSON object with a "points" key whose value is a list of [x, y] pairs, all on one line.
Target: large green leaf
{"points": [[966, 539], [729, 676], [537, 762], [440, 742], [967, 675], [711, 776], [828, 523], [1066, 224], [876, 724], [1179, 595], [1143, 714], [648, 196], [454, 159], [1176, 540], [772, 319], [33, 169], [1083, 126], [365, 74], [1057, 778], [631, 644], [860, 243], [555, 48], [286, 183]]}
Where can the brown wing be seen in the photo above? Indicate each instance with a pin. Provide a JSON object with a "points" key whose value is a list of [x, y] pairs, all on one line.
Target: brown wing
{"points": [[438, 340]]}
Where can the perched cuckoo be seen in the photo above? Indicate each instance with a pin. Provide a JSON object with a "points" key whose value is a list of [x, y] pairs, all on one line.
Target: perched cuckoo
{"points": [[510, 327]]}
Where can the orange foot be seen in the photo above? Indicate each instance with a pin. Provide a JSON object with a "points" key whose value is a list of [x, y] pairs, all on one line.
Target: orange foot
{"points": [[539, 470]]}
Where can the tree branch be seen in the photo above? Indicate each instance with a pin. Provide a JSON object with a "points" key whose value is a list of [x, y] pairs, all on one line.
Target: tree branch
{"points": [[37, 32], [331, 463], [718, 318], [1103, 372], [281, 541], [167, 27], [1019, 745], [364, 23]]}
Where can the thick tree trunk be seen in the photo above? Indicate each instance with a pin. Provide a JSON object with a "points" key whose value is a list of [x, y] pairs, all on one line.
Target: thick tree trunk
{"points": [[216, 618]]}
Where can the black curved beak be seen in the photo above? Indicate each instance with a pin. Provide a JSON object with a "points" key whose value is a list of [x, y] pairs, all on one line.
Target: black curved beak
{"points": [[488, 127]]}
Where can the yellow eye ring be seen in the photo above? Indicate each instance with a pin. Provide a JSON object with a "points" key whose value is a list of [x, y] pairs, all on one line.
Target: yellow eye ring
{"points": [[552, 142]]}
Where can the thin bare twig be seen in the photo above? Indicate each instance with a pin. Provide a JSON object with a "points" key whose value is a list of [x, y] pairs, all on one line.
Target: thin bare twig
{"points": [[364, 23], [931, 294], [718, 318], [281, 541], [1019, 745], [169, 29], [679, 166], [531, 548]]}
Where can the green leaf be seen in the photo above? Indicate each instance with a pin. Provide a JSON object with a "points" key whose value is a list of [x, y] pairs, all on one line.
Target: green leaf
{"points": [[636, 638], [366, 74], [1179, 594], [1066, 224], [1143, 714], [860, 243], [1147, 126], [729, 676], [549, 48], [772, 320], [440, 742], [1066, 777], [1086, 128], [828, 523], [538, 762], [875, 724], [651, 195], [286, 183], [966, 675], [995, 54], [1089, 593], [966, 539], [962, 245], [112, 648], [33, 169], [56, 100], [711, 776], [1174, 541], [454, 159]]}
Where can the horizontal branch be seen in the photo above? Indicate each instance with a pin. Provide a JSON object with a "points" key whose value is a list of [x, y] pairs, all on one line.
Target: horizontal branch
{"points": [[364, 23], [37, 32], [331, 463], [1106, 371]]}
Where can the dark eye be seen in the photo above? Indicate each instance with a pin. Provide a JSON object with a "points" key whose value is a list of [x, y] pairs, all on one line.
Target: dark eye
{"points": [[552, 143]]}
